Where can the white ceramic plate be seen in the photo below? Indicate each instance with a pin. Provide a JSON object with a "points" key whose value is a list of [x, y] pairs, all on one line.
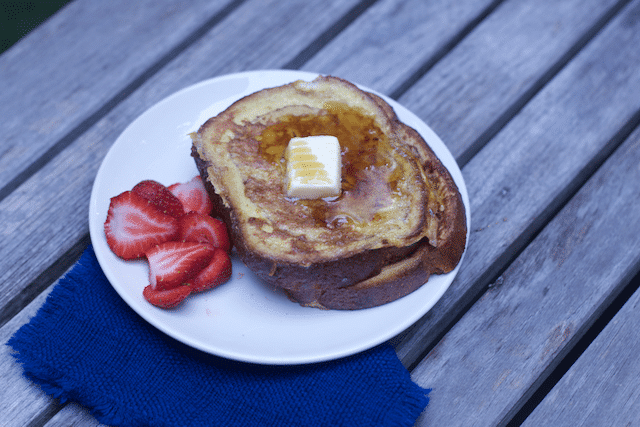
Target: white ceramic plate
{"points": [[242, 319]]}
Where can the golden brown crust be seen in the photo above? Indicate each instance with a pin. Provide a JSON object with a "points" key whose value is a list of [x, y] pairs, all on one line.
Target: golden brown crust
{"points": [[362, 275]]}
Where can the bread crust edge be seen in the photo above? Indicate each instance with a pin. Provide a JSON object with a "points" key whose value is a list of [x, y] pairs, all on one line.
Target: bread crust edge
{"points": [[377, 276]]}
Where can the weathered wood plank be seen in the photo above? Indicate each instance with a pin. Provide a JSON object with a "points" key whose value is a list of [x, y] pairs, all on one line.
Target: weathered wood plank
{"points": [[92, 158], [83, 166], [79, 60], [522, 176], [73, 415], [497, 65], [493, 359], [51, 207], [601, 388], [94, 143], [393, 39], [13, 411]]}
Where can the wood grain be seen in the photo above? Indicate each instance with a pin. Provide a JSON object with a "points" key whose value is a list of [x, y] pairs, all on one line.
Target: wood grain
{"points": [[521, 178], [504, 346], [41, 218], [601, 387], [393, 39], [20, 402], [73, 415], [506, 58], [74, 65], [532, 97]]}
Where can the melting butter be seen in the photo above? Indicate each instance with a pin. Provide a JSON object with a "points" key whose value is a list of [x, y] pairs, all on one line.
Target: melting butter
{"points": [[314, 167]]}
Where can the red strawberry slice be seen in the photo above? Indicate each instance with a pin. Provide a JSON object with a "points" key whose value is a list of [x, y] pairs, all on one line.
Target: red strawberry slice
{"points": [[172, 264], [134, 225], [193, 196], [166, 299], [202, 228], [160, 196], [217, 272]]}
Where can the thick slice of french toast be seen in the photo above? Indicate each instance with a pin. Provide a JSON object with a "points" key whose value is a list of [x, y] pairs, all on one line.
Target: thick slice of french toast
{"points": [[399, 218]]}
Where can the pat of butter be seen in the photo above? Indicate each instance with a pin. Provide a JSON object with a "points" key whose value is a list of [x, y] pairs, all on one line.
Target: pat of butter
{"points": [[313, 167]]}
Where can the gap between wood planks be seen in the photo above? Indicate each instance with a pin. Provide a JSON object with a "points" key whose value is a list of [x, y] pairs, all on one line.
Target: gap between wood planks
{"points": [[545, 78], [44, 280], [574, 353], [323, 39], [493, 273], [198, 33], [494, 276], [580, 343], [54, 272], [443, 51], [87, 123], [51, 274]]}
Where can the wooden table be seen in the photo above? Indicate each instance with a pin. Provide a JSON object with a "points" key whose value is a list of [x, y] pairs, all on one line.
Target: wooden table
{"points": [[538, 100]]}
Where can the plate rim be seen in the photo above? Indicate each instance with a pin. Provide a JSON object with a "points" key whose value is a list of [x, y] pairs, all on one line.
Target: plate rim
{"points": [[279, 360]]}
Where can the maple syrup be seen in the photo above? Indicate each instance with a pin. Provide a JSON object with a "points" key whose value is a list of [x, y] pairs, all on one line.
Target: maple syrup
{"points": [[360, 142], [358, 135]]}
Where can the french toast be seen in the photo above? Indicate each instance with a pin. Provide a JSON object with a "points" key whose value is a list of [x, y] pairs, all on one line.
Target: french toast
{"points": [[399, 217]]}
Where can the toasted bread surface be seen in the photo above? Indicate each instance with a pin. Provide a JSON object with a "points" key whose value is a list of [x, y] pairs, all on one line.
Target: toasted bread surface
{"points": [[399, 219]]}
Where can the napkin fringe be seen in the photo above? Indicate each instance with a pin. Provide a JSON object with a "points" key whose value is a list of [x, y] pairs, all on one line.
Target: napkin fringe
{"points": [[407, 413], [54, 384], [83, 315], [50, 380], [35, 367]]}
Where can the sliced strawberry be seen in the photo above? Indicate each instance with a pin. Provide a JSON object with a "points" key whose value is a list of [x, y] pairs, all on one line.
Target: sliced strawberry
{"points": [[193, 196], [172, 264], [160, 196], [217, 272], [166, 299], [202, 228], [134, 225]]}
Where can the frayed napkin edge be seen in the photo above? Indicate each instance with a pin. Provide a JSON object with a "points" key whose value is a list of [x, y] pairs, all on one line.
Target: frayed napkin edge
{"points": [[46, 377], [403, 413]]}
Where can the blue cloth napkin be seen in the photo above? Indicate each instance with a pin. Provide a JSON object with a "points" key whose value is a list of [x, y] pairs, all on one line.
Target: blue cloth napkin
{"points": [[85, 344]]}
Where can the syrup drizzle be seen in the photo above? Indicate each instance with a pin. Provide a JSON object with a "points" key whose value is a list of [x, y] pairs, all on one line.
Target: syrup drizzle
{"points": [[364, 162]]}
